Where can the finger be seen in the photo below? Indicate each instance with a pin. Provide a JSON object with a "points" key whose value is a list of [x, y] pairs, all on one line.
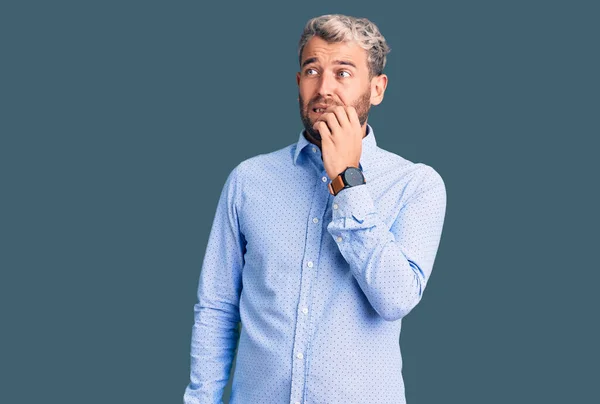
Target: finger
{"points": [[332, 122], [324, 132], [353, 115], [341, 115]]}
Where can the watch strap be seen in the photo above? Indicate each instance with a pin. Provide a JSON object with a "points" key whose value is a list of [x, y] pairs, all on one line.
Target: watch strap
{"points": [[336, 185]]}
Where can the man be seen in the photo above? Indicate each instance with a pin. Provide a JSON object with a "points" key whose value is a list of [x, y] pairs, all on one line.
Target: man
{"points": [[320, 248]]}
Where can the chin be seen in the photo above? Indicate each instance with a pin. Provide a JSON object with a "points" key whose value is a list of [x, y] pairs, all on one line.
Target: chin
{"points": [[315, 135]]}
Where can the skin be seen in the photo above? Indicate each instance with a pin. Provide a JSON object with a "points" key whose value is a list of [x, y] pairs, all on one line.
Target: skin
{"points": [[349, 93]]}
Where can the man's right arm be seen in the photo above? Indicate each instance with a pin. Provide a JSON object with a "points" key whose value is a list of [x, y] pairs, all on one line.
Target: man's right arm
{"points": [[216, 314]]}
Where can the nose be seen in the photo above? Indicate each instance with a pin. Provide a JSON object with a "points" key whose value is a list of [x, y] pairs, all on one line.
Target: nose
{"points": [[327, 85]]}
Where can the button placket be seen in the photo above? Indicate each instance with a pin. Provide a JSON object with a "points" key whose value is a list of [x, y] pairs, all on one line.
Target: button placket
{"points": [[304, 320]]}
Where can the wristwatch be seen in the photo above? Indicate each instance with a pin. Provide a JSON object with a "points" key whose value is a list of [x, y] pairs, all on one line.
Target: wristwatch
{"points": [[350, 177]]}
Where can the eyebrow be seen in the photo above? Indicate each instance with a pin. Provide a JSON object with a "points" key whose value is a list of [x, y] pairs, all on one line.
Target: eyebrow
{"points": [[337, 62]]}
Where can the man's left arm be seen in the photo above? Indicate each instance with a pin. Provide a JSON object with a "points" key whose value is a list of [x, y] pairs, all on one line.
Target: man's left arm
{"points": [[392, 265]]}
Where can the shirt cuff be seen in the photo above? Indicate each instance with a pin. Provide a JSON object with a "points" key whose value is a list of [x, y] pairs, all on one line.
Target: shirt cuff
{"points": [[354, 202]]}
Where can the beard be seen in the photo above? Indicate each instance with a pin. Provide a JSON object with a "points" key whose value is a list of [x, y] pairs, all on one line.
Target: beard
{"points": [[362, 106]]}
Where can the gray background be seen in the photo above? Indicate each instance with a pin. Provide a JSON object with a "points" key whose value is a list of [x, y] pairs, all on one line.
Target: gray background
{"points": [[121, 120]]}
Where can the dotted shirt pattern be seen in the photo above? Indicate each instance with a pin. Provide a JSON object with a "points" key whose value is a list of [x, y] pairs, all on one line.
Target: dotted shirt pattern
{"points": [[319, 282]]}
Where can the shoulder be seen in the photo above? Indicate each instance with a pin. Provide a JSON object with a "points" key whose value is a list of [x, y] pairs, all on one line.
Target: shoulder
{"points": [[429, 182], [418, 174], [388, 159], [265, 163], [259, 168]]}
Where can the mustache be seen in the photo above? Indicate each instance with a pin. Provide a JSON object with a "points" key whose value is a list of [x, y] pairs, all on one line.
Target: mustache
{"points": [[327, 104]]}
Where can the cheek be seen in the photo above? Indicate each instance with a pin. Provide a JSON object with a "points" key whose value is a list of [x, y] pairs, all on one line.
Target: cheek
{"points": [[304, 95], [349, 95], [348, 99]]}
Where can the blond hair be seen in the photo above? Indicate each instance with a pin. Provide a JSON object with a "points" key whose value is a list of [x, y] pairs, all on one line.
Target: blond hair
{"points": [[342, 28]]}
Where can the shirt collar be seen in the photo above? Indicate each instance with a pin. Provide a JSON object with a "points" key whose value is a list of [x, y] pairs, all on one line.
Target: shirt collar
{"points": [[369, 146]]}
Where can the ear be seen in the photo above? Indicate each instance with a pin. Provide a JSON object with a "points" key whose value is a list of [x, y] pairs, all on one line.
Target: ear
{"points": [[298, 78], [378, 85]]}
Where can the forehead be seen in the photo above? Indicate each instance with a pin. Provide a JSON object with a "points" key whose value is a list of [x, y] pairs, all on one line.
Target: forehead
{"points": [[321, 51]]}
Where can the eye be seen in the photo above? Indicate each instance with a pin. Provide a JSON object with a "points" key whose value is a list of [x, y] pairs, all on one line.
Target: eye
{"points": [[308, 70], [344, 71]]}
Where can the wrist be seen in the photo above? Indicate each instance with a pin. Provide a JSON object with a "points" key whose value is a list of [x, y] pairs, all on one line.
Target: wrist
{"points": [[350, 177]]}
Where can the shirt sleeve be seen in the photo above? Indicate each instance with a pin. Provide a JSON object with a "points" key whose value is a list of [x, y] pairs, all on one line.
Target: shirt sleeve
{"points": [[216, 314], [391, 265]]}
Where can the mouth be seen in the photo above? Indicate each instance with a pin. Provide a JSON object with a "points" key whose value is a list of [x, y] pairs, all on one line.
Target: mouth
{"points": [[319, 109]]}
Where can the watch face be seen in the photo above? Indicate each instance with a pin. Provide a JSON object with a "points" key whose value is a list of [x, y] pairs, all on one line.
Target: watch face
{"points": [[353, 176]]}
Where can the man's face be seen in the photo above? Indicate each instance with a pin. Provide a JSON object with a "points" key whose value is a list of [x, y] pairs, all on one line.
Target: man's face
{"points": [[332, 74]]}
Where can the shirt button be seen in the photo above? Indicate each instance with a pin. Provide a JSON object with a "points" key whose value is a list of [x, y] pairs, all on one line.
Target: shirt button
{"points": [[315, 220], [324, 179], [339, 238], [314, 149], [297, 402], [335, 206], [305, 310], [300, 356], [309, 264]]}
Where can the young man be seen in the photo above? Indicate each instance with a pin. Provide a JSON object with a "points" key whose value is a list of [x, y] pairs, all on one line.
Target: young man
{"points": [[320, 248]]}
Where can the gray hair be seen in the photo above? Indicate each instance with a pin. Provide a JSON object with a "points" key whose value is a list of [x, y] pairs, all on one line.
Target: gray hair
{"points": [[342, 28]]}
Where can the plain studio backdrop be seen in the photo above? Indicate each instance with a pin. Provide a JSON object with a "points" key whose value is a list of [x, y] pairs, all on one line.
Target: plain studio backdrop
{"points": [[120, 121]]}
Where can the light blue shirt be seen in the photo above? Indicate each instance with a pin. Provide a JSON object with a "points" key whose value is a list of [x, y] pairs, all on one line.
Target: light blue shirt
{"points": [[319, 283]]}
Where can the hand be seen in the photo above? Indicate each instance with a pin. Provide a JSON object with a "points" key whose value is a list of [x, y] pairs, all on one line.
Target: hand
{"points": [[341, 138]]}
